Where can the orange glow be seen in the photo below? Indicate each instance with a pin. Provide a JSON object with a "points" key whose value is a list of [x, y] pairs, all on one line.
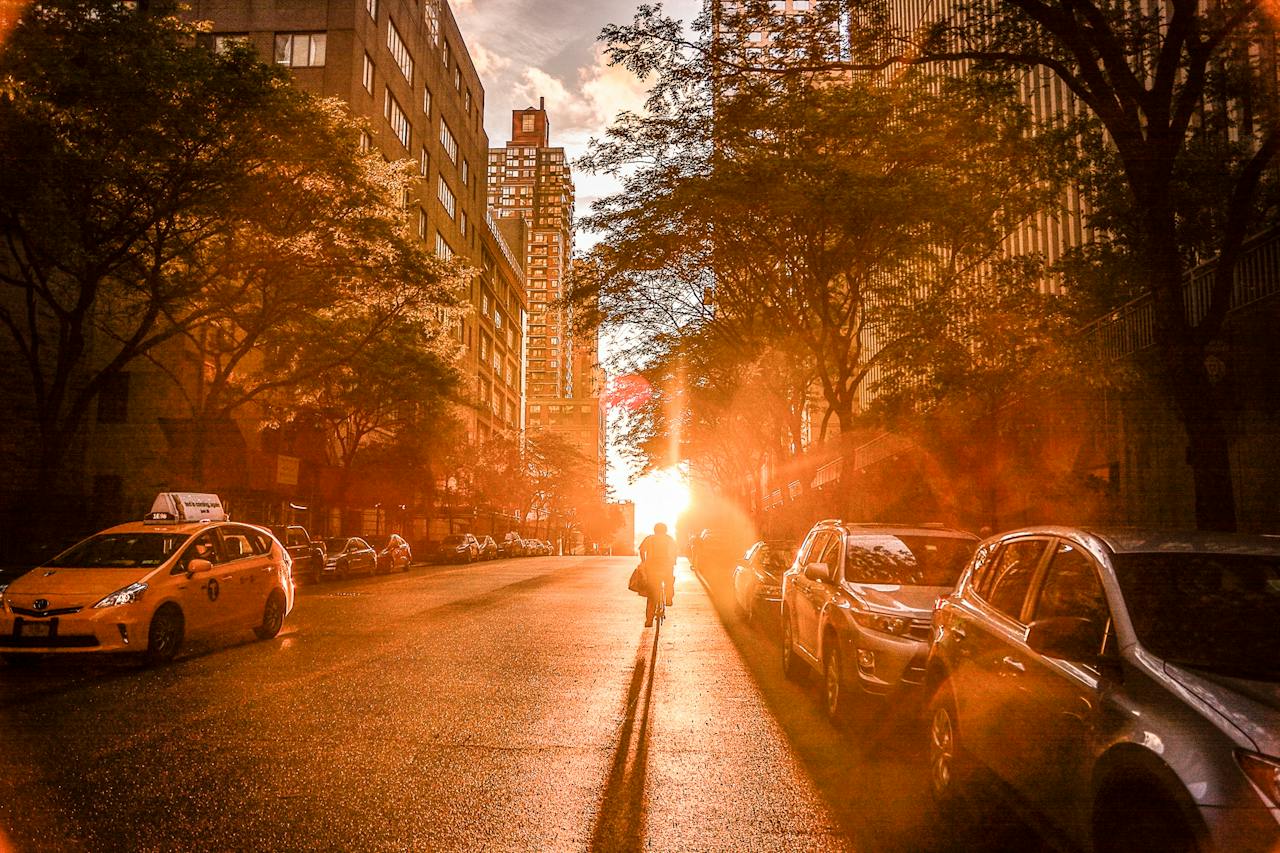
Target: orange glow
{"points": [[658, 496], [10, 11]]}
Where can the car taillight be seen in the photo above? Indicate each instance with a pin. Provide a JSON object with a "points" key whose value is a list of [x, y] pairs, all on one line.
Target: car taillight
{"points": [[1264, 772]]}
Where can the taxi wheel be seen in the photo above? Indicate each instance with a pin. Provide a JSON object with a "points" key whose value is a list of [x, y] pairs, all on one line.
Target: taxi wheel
{"points": [[164, 637], [272, 617]]}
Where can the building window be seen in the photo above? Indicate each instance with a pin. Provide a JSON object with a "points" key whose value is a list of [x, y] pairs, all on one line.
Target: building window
{"points": [[399, 52], [366, 141], [466, 101], [432, 15], [447, 199], [466, 173], [426, 101], [442, 247], [526, 123], [444, 52], [300, 50], [225, 41], [367, 77], [371, 6], [422, 223], [462, 223], [457, 77], [424, 162], [399, 121], [448, 142]]}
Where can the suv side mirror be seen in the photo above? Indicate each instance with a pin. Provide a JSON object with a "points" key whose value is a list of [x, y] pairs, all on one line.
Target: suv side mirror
{"points": [[198, 566], [1066, 637], [820, 572]]}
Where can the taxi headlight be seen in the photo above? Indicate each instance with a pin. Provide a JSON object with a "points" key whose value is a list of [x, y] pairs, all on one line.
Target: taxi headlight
{"points": [[130, 594]]}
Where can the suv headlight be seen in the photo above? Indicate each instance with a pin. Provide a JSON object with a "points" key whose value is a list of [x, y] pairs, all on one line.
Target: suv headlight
{"points": [[1264, 772], [896, 626], [129, 595]]}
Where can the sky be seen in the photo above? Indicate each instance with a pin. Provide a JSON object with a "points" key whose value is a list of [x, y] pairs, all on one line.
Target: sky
{"points": [[526, 49]]}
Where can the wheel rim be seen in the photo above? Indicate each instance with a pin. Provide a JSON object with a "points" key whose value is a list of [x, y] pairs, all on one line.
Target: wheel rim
{"points": [[274, 616], [942, 747], [833, 683], [164, 637]]}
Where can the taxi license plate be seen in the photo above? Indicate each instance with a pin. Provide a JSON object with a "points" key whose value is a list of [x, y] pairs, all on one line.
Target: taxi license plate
{"points": [[36, 629]]}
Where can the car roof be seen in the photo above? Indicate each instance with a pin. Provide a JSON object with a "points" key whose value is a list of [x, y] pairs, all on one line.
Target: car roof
{"points": [[1155, 540], [900, 530]]}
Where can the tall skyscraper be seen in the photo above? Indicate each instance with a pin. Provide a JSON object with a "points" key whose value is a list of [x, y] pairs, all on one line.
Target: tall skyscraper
{"points": [[530, 180]]}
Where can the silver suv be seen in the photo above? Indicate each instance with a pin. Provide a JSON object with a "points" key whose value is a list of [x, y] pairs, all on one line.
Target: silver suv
{"points": [[857, 603], [1124, 685]]}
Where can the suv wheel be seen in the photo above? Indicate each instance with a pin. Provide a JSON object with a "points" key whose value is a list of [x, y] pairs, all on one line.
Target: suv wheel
{"points": [[790, 666], [1136, 816], [949, 770], [839, 697]]}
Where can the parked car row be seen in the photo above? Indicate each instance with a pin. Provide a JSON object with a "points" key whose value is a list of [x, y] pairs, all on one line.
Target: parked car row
{"points": [[469, 548], [342, 556], [1123, 687]]}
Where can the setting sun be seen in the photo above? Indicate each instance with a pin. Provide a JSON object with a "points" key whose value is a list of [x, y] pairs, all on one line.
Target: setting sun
{"points": [[658, 496]]}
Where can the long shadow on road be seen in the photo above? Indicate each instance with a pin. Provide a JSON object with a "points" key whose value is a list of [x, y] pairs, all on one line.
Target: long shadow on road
{"points": [[620, 822]]}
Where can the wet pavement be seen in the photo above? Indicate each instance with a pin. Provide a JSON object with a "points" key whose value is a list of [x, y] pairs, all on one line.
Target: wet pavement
{"points": [[513, 705]]}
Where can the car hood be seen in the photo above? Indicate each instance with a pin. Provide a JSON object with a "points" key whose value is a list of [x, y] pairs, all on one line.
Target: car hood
{"points": [[910, 601], [1251, 706], [59, 585]]}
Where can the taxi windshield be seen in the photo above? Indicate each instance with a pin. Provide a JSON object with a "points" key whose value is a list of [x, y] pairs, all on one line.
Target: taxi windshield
{"points": [[120, 551], [906, 560], [1216, 612]]}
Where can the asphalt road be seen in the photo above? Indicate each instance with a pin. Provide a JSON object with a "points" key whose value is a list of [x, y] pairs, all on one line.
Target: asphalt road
{"points": [[514, 705]]}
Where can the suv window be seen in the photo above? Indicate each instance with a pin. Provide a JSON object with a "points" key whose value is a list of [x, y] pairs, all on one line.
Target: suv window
{"points": [[296, 536], [1071, 589], [829, 554], [1005, 586], [906, 560], [808, 548]]}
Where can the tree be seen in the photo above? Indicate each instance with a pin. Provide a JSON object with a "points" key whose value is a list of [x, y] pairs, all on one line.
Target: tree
{"points": [[1184, 138], [796, 216]]}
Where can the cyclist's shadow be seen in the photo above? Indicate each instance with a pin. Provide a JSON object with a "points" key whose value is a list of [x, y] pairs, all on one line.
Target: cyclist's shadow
{"points": [[620, 822]]}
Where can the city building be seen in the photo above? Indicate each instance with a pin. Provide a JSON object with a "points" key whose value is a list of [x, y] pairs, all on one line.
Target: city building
{"points": [[530, 181]]}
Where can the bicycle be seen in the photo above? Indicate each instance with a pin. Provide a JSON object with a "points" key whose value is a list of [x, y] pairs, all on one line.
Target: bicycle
{"points": [[660, 612]]}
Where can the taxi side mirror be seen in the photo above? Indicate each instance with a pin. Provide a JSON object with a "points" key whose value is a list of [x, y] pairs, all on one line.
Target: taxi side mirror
{"points": [[817, 572], [197, 566]]}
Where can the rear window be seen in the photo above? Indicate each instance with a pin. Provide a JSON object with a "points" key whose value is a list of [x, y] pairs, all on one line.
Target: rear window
{"points": [[120, 551], [906, 560], [455, 539]]}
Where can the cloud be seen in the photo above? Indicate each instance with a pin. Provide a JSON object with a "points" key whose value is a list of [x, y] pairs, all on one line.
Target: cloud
{"points": [[488, 63], [590, 105]]}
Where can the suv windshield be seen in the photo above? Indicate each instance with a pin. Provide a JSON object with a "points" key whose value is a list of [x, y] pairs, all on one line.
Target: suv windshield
{"points": [[1216, 612], [906, 560], [120, 551]]}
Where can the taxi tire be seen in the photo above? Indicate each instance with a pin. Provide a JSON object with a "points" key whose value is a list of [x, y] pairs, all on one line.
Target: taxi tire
{"points": [[272, 616], [165, 635]]}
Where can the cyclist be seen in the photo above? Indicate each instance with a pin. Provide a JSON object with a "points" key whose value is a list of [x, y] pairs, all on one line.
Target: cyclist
{"points": [[658, 556]]}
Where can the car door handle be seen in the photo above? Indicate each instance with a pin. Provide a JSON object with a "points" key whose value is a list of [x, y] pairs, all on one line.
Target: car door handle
{"points": [[1013, 664]]}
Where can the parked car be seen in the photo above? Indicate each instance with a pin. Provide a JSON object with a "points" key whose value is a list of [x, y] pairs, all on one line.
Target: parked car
{"points": [[458, 548], [349, 555], [714, 552], [511, 546], [757, 580], [306, 553], [394, 555], [1125, 686], [857, 605], [488, 548]]}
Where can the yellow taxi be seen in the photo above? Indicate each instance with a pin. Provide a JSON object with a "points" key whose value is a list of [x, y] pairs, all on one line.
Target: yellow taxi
{"points": [[144, 587]]}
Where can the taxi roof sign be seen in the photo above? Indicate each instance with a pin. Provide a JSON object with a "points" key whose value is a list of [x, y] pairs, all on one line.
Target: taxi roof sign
{"points": [[177, 507]]}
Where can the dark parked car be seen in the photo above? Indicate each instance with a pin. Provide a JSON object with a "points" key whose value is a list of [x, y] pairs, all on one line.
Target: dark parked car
{"points": [[458, 548], [488, 548], [511, 546], [757, 580], [1125, 686], [347, 556], [394, 555], [307, 554], [857, 605]]}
